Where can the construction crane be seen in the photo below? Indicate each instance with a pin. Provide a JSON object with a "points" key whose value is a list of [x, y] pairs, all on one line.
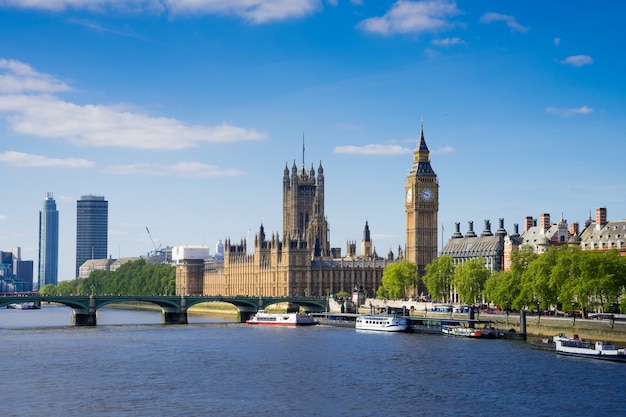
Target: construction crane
{"points": [[156, 249]]}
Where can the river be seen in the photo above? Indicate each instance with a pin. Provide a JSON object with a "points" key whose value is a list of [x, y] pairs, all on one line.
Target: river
{"points": [[131, 365]]}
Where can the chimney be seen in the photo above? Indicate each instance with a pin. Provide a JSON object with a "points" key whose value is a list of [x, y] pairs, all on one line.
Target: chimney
{"points": [[470, 232], [574, 229], [487, 231], [529, 223], [501, 230], [600, 217], [457, 233], [544, 221], [515, 230]]}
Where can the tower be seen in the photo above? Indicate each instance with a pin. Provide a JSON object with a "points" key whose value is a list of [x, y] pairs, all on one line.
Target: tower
{"points": [[48, 242], [303, 208], [92, 218], [421, 206]]}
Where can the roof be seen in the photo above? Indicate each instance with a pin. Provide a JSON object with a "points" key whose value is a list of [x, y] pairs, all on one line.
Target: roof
{"points": [[473, 246]]}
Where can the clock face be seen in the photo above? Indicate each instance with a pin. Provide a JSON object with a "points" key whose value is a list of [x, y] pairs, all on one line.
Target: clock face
{"points": [[426, 194], [409, 195]]}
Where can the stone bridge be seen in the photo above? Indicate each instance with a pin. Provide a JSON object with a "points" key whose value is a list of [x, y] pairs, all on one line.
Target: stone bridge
{"points": [[174, 307]]}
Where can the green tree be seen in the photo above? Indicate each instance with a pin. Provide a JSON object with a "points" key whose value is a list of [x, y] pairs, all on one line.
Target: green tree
{"points": [[503, 288], [396, 278], [438, 278], [469, 280], [49, 289]]}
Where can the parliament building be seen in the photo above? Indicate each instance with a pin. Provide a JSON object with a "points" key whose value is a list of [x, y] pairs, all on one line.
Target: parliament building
{"points": [[301, 262]]}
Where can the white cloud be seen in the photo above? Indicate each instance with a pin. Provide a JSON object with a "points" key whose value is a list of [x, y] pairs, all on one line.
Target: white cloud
{"points": [[134, 6], [448, 41], [373, 149], [17, 77], [25, 160], [569, 112], [48, 116], [180, 169], [255, 11], [509, 20], [578, 60], [412, 17], [443, 149], [3, 218]]}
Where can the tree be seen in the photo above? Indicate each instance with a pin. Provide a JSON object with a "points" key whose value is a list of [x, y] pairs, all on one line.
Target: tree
{"points": [[438, 278], [469, 279], [502, 288], [396, 278]]}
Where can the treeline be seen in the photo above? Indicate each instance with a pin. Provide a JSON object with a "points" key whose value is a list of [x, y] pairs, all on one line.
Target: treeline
{"points": [[563, 277], [132, 278]]}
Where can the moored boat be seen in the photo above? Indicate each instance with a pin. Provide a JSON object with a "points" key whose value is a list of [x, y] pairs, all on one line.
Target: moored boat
{"points": [[574, 346], [265, 318], [460, 331], [24, 306], [383, 322]]}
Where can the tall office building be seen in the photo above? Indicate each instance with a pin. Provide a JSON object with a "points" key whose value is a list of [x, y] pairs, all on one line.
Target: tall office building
{"points": [[92, 221], [48, 242]]}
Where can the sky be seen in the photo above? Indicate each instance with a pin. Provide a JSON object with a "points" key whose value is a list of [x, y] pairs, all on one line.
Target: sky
{"points": [[184, 113]]}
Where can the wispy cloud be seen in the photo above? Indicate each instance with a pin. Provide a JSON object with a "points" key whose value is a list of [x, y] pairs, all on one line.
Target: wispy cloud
{"points": [[509, 20], [372, 149], [18, 77], [47, 116], [442, 150], [448, 41], [180, 169], [25, 160], [569, 112], [254, 11], [578, 60], [412, 17]]}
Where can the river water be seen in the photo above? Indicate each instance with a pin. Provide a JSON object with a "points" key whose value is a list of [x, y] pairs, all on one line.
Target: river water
{"points": [[131, 365]]}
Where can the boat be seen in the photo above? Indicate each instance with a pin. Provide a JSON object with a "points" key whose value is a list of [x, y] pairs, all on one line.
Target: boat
{"points": [[382, 322], [461, 331], [545, 343], [24, 306], [575, 346], [265, 318]]}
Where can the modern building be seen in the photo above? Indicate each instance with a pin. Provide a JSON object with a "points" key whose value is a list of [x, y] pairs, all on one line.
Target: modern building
{"points": [[92, 222], [16, 275], [421, 207], [48, 242]]}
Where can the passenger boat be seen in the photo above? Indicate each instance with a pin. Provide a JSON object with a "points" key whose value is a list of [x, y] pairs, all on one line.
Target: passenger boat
{"points": [[24, 306], [383, 323], [265, 318], [461, 331], [574, 346]]}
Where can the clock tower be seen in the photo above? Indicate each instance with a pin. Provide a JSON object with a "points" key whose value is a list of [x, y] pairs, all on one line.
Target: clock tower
{"points": [[421, 205]]}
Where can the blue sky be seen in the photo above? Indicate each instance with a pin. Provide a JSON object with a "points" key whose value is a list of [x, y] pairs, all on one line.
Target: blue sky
{"points": [[183, 114]]}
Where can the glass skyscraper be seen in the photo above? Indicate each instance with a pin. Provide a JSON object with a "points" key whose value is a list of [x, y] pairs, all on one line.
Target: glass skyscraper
{"points": [[48, 242], [92, 223]]}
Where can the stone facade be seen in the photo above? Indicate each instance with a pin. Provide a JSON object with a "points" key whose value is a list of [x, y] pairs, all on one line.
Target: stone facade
{"points": [[300, 263], [421, 207]]}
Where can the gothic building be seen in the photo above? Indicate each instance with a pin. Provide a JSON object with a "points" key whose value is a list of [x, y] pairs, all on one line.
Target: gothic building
{"points": [[298, 263], [421, 206]]}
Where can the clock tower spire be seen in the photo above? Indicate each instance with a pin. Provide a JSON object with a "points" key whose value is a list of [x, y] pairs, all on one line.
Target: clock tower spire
{"points": [[421, 207]]}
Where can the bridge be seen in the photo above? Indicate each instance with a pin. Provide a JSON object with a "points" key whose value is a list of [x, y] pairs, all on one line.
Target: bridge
{"points": [[174, 307]]}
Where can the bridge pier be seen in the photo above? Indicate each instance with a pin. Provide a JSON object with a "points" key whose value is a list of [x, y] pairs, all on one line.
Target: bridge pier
{"points": [[174, 317], [85, 317]]}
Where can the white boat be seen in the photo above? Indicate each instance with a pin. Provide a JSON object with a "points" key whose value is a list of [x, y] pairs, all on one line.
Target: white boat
{"points": [[384, 323], [574, 346], [265, 318], [460, 331], [24, 306]]}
